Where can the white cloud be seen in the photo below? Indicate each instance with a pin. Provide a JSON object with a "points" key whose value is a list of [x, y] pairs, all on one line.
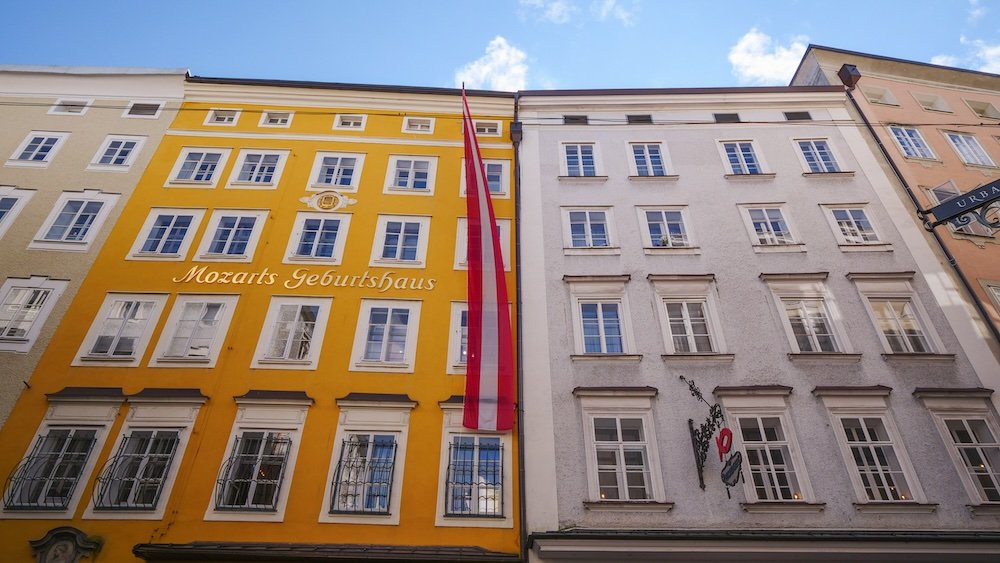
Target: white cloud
{"points": [[986, 57], [976, 11], [553, 11], [604, 9], [944, 60], [756, 59], [503, 67]]}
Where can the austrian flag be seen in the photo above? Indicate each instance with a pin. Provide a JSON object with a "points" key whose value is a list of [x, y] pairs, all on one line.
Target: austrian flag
{"points": [[489, 380]]}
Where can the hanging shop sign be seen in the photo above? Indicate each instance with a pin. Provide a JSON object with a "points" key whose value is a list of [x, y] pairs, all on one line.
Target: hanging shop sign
{"points": [[980, 204], [304, 278], [702, 438]]}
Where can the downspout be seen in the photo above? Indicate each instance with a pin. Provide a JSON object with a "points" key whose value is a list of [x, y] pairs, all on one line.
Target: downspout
{"points": [[923, 215], [515, 137]]}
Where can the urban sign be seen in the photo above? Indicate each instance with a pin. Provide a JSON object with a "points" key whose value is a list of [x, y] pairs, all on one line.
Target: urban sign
{"points": [[304, 277], [701, 440], [963, 209]]}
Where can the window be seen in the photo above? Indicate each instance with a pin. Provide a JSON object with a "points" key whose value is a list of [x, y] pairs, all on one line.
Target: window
{"points": [[969, 149], [194, 331], [401, 241], [167, 234], [143, 110], [350, 121], [575, 120], [818, 156], [458, 340], [810, 325], [122, 328], [689, 327], [12, 201], [38, 149], [418, 125], [338, 171], [275, 119], [797, 116], [931, 102], [462, 247], [580, 159], [898, 316], [199, 167], [226, 117], [809, 315], [768, 226], [689, 314], [601, 327], [232, 235], [639, 119], [117, 153], [48, 476], [741, 158], [293, 333], [726, 117], [318, 237], [258, 169], [25, 303], [411, 174], [587, 228], [600, 315], [363, 483], [948, 190], [977, 445], [852, 226], [911, 142], [983, 109], [879, 95], [474, 485], [648, 159], [488, 128], [134, 477], [70, 107], [252, 475], [497, 178], [665, 228], [386, 336], [75, 220]]}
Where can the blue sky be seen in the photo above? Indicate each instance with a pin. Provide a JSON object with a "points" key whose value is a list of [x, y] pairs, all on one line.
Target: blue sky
{"points": [[503, 44]]}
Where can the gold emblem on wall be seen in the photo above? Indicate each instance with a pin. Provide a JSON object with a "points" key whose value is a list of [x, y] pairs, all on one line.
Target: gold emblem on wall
{"points": [[329, 200]]}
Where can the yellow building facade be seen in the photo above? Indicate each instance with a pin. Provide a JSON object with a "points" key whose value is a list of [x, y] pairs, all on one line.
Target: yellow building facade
{"points": [[267, 358]]}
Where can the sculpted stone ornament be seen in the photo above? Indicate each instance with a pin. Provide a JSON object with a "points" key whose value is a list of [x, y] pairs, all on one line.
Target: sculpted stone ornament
{"points": [[330, 200], [64, 544]]}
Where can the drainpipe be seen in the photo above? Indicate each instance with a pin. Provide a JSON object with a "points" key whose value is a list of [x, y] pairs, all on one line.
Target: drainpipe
{"points": [[516, 133], [850, 76]]}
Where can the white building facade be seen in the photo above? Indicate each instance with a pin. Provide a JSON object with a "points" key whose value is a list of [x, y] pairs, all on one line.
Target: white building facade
{"points": [[738, 238]]}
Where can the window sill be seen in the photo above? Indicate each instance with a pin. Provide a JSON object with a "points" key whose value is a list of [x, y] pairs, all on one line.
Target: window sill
{"points": [[660, 178], [667, 250], [698, 357], [283, 361], [172, 360], [191, 183], [583, 178], [918, 357], [382, 366], [778, 248], [606, 357], [782, 507], [326, 260], [155, 256], [251, 185], [902, 507], [984, 168], [760, 176], [335, 187], [408, 191], [592, 250], [223, 257], [923, 161], [118, 168], [13, 340], [825, 357], [878, 247], [28, 163], [115, 359], [986, 509], [397, 263], [628, 506], [840, 174]]}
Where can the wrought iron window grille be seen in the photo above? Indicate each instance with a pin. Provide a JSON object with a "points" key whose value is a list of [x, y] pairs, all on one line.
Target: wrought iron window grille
{"points": [[133, 478], [363, 480], [47, 477], [250, 479], [474, 486]]}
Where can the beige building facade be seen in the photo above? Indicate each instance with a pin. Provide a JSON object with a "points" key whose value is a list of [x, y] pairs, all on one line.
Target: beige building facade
{"points": [[73, 142]]}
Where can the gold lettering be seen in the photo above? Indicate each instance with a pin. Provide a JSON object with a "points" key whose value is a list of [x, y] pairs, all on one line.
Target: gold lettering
{"points": [[241, 277], [298, 275], [312, 279], [224, 277], [191, 274], [400, 283], [271, 278], [210, 277], [430, 283], [385, 282]]}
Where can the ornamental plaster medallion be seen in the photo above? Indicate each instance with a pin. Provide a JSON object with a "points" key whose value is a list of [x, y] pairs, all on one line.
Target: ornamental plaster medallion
{"points": [[330, 200], [64, 544]]}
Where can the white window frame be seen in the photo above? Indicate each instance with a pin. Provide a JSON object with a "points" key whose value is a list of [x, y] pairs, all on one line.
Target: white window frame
{"points": [[107, 201], [83, 103], [94, 413], [504, 192], [210, 117], [314, 185], [269, 328], [340, 117], [418, 125], [488, 122], [379, 242], [879, 95], [900, 289], [984, 110], [174, 182], [160, 357], [972, 153], [203, 255], [764, 171], [800, 289], [842, 241], [358, 361], [793, 245], [758, 404], [338, 246], [55, 288], [649, 246], [844, 405], [390, 175], [265, 116], [370, 416], [837, 162], [454, 365], [621, 404], [136, 252], [234, 181], [264, 415], [688, 289], [168, 413], [462, 247], [668, 167], [609, 225], [21, 197], [948, 406], [931, 102], [564, 161], [917, 145], [95, 164], [974, 227], [128, 115], [83, 356], [60, 138], [601, 289], [451, 428]]}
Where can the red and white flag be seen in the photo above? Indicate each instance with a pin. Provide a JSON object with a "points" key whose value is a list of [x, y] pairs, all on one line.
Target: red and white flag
{"points": [[489, 379]]}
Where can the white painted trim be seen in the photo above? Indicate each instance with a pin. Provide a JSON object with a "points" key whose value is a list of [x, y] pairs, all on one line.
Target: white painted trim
{"points": [[338, 247], [350, 142], [174, 182], [379, 241], [202, 254], [311, 361], [147, 226], [359, 363], [23, 196], [129, 160], [56, 288], [159, 358], [235, 184], [83, 357], [107, 200]]}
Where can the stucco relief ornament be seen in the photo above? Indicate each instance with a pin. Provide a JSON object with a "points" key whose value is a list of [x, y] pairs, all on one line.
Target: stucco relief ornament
{"points": [[330, 200], [64, 544]]}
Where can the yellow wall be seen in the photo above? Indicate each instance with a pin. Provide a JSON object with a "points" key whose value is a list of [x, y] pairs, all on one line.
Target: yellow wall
{"points": [[193, 490]]}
